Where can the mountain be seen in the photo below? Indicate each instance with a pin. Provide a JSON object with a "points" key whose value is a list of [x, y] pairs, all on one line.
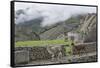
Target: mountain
{"points": [[28, 30], [32, 30], [57, 32]]}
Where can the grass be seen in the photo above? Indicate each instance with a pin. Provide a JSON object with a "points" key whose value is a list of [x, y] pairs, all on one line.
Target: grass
{"points": [[40, 43]]}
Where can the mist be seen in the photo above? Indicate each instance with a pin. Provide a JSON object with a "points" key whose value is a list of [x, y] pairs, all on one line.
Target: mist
{"points": [[51, 14]]}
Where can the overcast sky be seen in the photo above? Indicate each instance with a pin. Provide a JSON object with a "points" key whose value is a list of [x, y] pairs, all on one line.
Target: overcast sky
{"points": [[51, 13]]}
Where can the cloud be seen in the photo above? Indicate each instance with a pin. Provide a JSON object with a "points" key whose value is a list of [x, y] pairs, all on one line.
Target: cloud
{"points": [[51, 13]]}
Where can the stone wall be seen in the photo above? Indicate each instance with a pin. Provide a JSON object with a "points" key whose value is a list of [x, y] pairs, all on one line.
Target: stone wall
{"points": [[92, 58], [21, 57], [86, 48], [34, 53]]}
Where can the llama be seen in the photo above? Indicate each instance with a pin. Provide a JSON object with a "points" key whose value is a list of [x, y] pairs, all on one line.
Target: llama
{"points": [[55, 51]]}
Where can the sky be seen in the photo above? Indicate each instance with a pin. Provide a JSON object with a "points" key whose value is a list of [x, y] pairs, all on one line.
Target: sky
{"points": [[51, 13]]}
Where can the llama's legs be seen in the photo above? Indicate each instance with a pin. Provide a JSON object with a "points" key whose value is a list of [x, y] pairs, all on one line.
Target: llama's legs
{"points": [[52, 57], [59, 56]]}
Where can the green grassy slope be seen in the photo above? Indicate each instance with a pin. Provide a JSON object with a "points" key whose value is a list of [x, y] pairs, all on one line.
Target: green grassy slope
{"points": [[41, 43]]}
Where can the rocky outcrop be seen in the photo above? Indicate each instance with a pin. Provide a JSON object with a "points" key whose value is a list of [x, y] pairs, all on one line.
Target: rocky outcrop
{"points": [[86, 31], [89, 27]]}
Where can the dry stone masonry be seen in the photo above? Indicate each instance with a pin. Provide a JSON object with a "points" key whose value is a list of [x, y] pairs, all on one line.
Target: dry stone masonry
{"points": [[35, 53]]}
